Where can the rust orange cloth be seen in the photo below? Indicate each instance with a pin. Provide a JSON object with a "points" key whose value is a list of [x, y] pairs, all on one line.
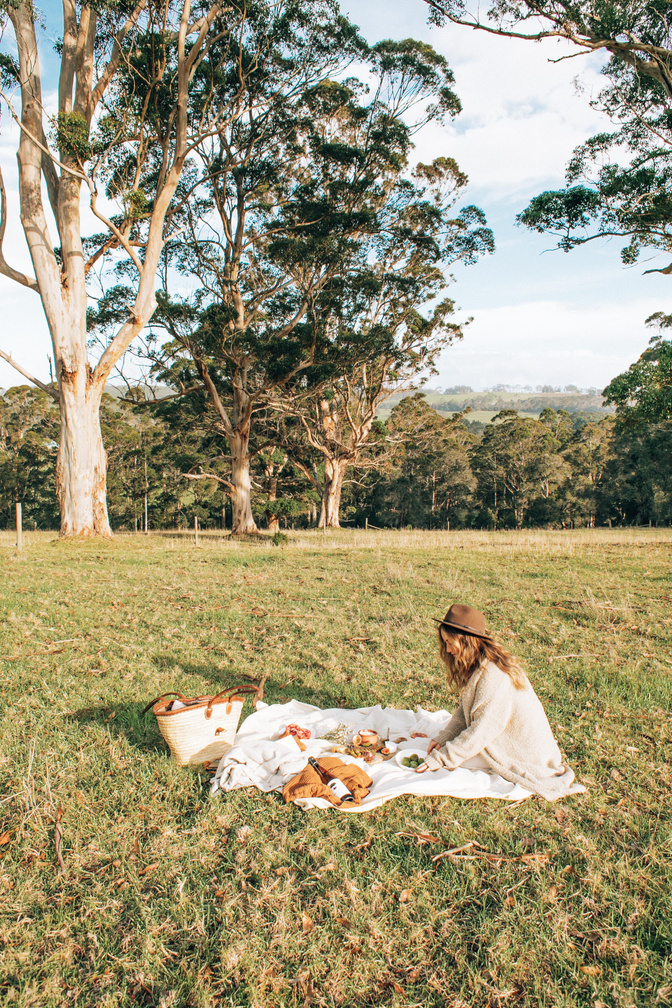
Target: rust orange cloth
{"points": [[308, 785]]}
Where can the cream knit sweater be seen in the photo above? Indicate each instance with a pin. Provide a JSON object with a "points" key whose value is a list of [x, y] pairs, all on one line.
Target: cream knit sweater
{"points": [[508, 728]]}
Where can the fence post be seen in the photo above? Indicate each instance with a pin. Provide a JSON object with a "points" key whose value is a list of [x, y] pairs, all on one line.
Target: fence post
{"points": [[19, 527], [196, 528], [366, 524]]}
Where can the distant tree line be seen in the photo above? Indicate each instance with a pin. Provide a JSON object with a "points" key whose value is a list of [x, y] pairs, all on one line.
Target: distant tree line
{"points": [[418, 468]]}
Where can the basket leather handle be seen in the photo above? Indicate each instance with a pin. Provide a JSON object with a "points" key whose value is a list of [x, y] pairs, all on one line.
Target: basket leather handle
{"points": [[244, 688], [161, 697]]}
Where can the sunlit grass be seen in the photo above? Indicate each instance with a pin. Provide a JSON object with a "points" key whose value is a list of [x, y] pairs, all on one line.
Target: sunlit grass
{"points": [[171, 898]]}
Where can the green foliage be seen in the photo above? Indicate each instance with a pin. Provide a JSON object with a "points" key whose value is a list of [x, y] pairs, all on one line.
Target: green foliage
{"points": [[562, 212], [517, 462], [9, 71], [643, 394], [138, 204], [72, 136], [618, 182], [28, 444], [315, 284], [426, 479]]}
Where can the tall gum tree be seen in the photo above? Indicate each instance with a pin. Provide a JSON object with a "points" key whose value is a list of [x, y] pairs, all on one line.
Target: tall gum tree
{"points": [[300, 191], [110, 109], [373, 338], [235, 336]]}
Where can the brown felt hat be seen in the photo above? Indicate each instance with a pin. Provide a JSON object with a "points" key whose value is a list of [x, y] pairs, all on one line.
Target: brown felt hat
{"points": [[465, 620]]}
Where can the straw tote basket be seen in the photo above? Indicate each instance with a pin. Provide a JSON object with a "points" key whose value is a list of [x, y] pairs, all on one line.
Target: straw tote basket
{"points": [[204, 728]]}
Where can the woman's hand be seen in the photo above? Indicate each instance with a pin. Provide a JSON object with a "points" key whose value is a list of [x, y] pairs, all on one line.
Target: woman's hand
{"points": [[423, 766]]}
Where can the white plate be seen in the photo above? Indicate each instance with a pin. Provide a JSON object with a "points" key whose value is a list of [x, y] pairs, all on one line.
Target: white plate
{"points": [[405, 753]]}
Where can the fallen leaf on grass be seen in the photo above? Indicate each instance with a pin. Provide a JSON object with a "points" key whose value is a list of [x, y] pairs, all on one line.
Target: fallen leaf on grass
{"points": [[344, 922], [306, 922], [590, 970], [405, 895], [510, 901], [31, 654], [5, 838], [58, 838], [422, 838], [150, 867], [457, 853]]}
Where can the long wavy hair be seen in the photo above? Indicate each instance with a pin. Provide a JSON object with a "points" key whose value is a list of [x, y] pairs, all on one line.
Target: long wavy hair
{"points": [[462, 654]]}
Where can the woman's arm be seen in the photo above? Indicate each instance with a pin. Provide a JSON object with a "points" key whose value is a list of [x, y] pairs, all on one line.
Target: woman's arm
{"points": [[456, 725], [489, 715]]}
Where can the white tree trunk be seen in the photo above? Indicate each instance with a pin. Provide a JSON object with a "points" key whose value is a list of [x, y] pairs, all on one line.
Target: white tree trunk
{"points": [[242, 521], [82, 463], [271, 516], [334, 473]]}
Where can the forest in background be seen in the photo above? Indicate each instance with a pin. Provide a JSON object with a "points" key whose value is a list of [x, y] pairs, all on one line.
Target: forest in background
{"points": [[420, 468]]}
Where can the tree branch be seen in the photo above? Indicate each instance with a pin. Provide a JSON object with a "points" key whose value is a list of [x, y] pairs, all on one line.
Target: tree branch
{"points": [[43, 148], [26, 374], [208, 475], [5, 268], [113, 63], [125, 244]]}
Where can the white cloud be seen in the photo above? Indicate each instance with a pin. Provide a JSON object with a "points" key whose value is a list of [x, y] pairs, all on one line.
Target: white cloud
{"points": [[546, 342], [522, 115]]}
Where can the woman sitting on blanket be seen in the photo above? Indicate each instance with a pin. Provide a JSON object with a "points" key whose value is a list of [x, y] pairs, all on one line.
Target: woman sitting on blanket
{"points": [[499, 724]]}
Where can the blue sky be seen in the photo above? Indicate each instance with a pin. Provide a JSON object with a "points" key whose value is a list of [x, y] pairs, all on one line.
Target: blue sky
{"points": [[539, 316]]}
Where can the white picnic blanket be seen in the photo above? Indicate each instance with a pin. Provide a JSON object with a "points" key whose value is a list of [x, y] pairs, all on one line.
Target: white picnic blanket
{"points": [[260, 759]]}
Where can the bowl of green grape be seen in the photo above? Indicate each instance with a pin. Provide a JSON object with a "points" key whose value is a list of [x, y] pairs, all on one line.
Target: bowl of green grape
{"points": [[410, 759]]}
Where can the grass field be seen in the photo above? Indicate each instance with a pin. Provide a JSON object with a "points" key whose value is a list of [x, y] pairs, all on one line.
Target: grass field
{"points": [[168, 898]]}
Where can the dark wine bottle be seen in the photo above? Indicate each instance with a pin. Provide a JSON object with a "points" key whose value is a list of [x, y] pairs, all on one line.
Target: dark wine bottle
{"points": [[340, 789]]}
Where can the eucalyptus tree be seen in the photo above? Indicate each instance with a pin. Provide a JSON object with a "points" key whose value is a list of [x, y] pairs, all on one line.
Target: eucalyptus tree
{"points": [[582, 495], [642, 395], [618, 182], [28, 436], [298, 199], [377, 334], [130, 79], [426, 478], [516, 463]]}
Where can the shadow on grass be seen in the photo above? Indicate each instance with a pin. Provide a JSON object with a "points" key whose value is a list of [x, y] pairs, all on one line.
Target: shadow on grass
{"points": [[276, 689], [126, 721]]}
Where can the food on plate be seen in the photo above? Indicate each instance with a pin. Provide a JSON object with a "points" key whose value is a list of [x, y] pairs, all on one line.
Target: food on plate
{"points": [[297, 731], [366, 737], [413, 761]]}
